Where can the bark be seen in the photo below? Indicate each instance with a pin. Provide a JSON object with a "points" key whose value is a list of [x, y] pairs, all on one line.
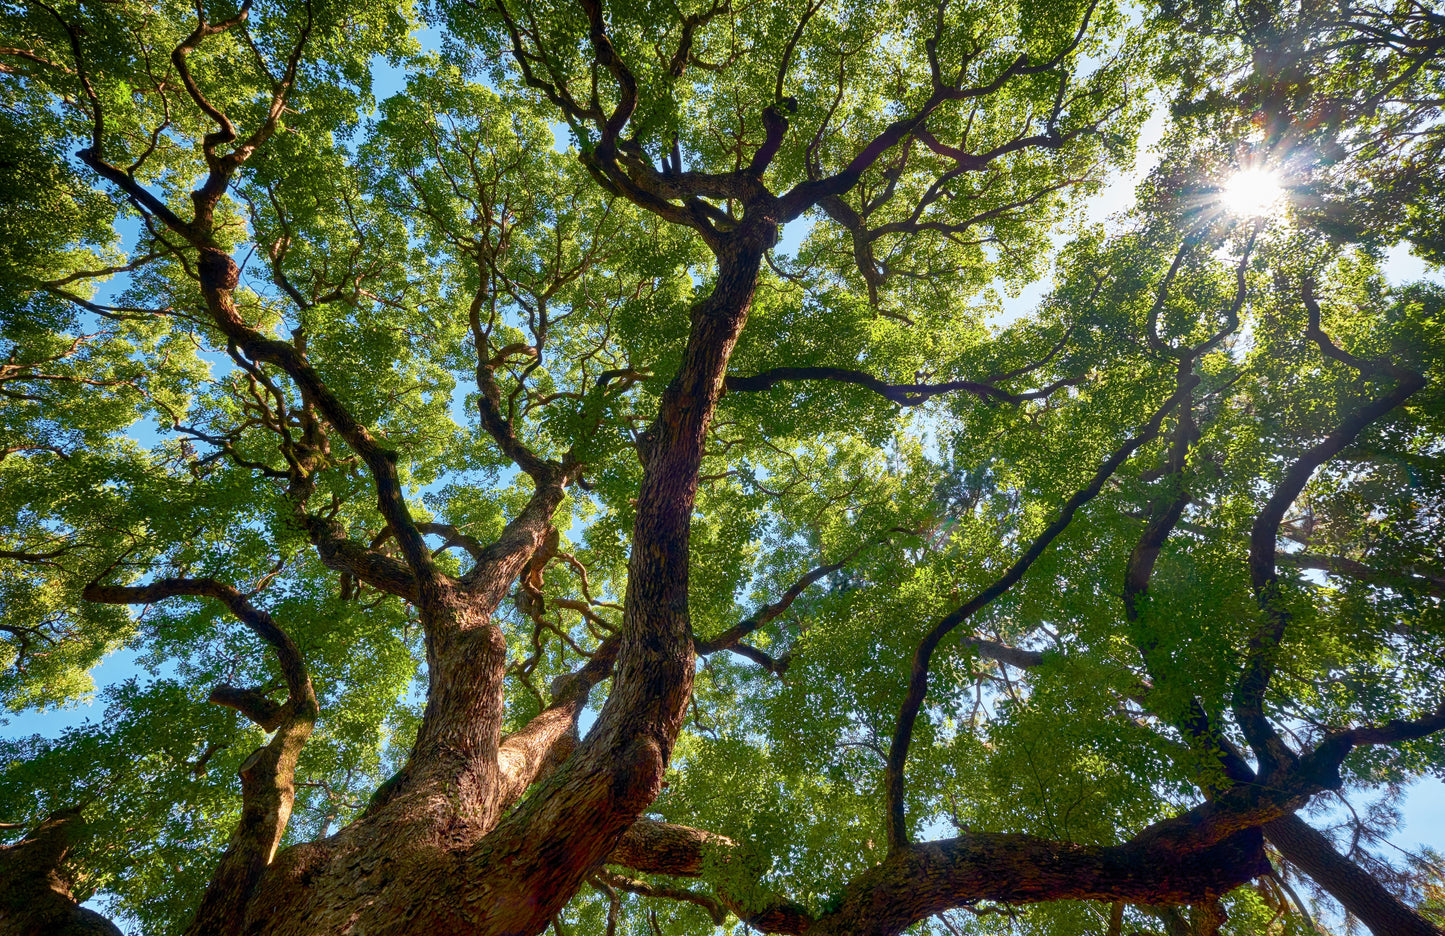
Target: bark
{"points": [[36, 898], [522, 873], [442, 830], [1356, 889], [481, 834], [918, 881]]}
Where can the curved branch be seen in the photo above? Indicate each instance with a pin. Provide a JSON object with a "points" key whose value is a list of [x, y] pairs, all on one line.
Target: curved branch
{"points": [[267, 776], [710, 905], [729, 638], [347, 556], [654, 847], [453, 536], [1258, 668], [919, 880], [918, 678]]}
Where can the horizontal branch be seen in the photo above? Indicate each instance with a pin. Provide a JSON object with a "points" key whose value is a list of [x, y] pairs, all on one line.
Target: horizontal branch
{"points": [[1003, 653], [710, 905], [901, 394], [654, 847], [920, 880], [1354, 569]]}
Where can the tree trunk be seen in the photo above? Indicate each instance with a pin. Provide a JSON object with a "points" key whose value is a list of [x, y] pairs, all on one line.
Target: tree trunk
{"points": [[437, 851]]}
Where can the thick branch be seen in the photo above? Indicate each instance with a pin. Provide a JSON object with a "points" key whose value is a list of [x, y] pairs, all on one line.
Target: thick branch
{"points": [[1003, 653], [349, 557], [253, 703], [35, 886], [917, 881], [1358, 891], [618, 770]]}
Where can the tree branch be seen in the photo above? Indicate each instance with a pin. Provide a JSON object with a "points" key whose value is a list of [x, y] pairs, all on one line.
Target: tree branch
{"points": [[35, 885], [918, 678], [267, 776], [1358, 891], [1346, 567], [901, 394], [1263, 649]]}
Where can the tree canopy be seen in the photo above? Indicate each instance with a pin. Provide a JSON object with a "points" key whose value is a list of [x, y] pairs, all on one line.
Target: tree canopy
{"points": [[514, 537]]}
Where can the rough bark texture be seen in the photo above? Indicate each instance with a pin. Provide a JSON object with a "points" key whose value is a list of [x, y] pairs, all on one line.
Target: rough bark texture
{"points": [[1357, 890], [36, 898], [920, 880]]}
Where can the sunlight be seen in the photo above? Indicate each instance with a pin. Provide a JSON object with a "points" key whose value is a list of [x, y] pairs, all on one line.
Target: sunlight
{"points": [[1253, 193]]}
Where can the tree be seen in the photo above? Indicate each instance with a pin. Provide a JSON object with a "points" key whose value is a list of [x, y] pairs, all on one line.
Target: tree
{"points": [[727, 585]]}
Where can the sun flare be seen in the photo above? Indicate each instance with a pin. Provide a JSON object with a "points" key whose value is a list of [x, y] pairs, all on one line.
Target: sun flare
{"points": [[1253, 193]]}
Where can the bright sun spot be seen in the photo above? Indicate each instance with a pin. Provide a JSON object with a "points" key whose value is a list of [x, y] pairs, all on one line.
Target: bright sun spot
{"points": [[1253, 193]]}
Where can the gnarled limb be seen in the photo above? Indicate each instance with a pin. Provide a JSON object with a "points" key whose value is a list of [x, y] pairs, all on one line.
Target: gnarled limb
{"points": [[917, 881], [537, 855], [268, 775], [341, 554], [1159, 866]]}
